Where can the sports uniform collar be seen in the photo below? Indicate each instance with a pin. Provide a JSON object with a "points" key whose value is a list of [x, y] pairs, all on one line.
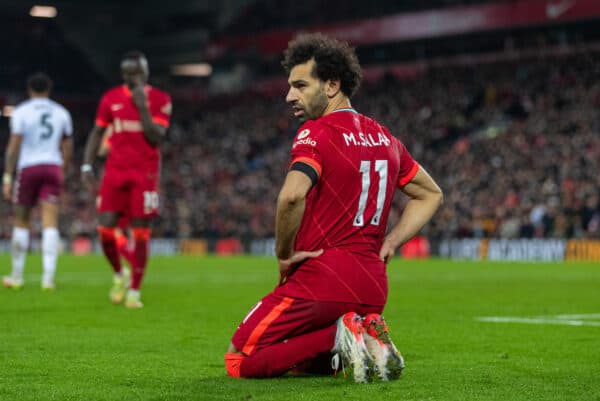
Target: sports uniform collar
{"points": [[128, 92], [350, 109]]}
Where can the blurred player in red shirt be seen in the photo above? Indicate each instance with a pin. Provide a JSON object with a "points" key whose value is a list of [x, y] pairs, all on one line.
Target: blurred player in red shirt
{"points": [[139, 115], [331, 242], [122, 232]]}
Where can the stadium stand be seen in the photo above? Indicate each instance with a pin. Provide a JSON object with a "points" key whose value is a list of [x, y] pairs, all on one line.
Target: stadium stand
{"points": [[512, 137], [500, 137], [30, 45], [264, 15]]}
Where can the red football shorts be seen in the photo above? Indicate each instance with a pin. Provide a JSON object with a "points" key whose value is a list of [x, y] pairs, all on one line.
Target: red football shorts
{"points": [[131, 192], [42, 182], [276, 318]]}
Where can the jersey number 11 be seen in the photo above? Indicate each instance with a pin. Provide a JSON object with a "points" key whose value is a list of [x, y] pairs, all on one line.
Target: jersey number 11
{"points": [[381, 168]]}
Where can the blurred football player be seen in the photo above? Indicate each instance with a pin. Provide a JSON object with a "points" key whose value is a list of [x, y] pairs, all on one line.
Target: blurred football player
{"points": [[40, 147], [139, 115]]}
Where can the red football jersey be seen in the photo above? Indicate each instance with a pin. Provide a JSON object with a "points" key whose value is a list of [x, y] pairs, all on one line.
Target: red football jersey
{"points": [[128, 146], [359, 165]]}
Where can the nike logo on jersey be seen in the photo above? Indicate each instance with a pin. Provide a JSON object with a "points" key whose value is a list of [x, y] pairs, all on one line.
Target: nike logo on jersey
{"points": [[117, 106]]}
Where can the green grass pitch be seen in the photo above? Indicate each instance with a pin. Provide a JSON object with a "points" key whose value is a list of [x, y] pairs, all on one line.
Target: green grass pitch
{"points": [[74, 345]]}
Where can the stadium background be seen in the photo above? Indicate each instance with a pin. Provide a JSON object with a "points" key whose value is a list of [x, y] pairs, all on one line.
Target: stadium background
{"points": [[498, 100]]}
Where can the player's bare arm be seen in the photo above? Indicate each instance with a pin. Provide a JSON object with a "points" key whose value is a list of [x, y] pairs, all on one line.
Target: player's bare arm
{"points": [[153, 132], [425, 199], [10, 161], [66, 148], [290, 209], [91, 149]]}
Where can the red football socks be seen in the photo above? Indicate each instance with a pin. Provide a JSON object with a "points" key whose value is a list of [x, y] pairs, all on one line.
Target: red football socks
{"points": [[109, 247], [124, 248], [141, 237]]}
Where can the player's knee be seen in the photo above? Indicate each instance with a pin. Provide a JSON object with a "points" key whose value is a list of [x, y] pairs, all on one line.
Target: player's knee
{"points": [[22, 217], [233, 363]]}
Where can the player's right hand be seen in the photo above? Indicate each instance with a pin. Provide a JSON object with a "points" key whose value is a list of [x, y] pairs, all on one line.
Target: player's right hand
{"points": [[6, 191], [138, 95], [89, 180], [288, 266]]}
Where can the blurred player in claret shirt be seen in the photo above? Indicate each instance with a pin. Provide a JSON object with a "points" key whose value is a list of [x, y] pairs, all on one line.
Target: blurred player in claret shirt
{"points": [[40, 147], [139, 115], [331, 242]]}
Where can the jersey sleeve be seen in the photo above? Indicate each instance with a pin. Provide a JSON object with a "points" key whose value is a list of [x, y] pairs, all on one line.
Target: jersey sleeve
{"points": [[103, 114], [307, 149], [16, 123], [161, 114], [408, 166]]}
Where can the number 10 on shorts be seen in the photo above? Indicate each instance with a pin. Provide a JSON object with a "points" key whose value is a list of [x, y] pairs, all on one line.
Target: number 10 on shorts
{"points": [[150, 201]]}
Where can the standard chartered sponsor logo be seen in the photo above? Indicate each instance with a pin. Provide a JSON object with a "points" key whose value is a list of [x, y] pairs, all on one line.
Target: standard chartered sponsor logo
{"points": [[368, 140], [132, 125], [127, 125]]}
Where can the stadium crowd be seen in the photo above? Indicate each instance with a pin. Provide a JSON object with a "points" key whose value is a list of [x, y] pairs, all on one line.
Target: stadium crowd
{"points": [[514, 145]]}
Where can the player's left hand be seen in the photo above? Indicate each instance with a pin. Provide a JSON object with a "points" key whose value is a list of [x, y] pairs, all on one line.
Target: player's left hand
{"points": [[288, 266], [386, 252]]}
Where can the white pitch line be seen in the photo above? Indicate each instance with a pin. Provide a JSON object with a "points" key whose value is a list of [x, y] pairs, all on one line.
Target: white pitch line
{"points": [[537, 320], [581, 316]]}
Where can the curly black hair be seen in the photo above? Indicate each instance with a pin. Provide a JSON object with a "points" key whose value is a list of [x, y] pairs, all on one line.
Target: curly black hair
{"points": [[39, 83], [334, 60]]}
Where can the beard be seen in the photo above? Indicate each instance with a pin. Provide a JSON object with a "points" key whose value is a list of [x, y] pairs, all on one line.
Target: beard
{"points": [[315, 107]]}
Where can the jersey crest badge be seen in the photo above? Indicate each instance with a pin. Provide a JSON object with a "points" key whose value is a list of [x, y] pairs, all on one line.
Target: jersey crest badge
{"points": [[304, 133]]}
